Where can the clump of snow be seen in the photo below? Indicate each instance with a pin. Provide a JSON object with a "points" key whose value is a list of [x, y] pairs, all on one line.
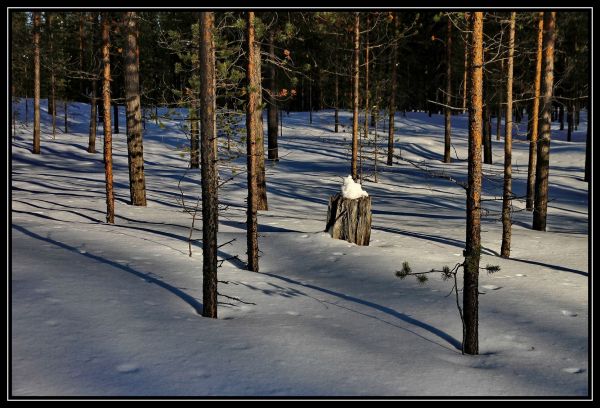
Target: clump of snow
{"points": [[352, 190]]}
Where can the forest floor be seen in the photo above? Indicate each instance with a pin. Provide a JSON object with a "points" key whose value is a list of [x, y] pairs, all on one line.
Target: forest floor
{"points": [[111, 310]]}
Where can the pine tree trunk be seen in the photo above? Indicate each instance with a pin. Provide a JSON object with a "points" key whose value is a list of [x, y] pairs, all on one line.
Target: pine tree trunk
{"points": [[261, 180], [561, 116], [586, 175], [193, 114], [36, 83], [487, 134], [535, 118], [272, 118], [447, 111], [92, 135], [110, 199], [52, 98], [570, 121], [66, 113], [116, 116], [507, 190], [392, 103], [473, 232], [210, 215], [251, 125], [466, 70], [543, 145], [355, 79], [500, 102], [365, 134], [336, 115], [81, 48], [135, 147]]}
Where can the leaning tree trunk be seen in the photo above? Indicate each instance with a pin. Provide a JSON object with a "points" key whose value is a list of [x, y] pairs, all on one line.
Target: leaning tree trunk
{"points": [[534, 118], [251, 119], [349, 220], [507, 190], [110, 199], [210, 215], [543, 145], [135, 148], [272, 125], [36, 83], [447, 113], [355, 79], [473, 233]]}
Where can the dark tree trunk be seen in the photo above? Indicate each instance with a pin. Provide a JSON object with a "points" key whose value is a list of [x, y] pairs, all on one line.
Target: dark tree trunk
{"points": [[36, 83], [210, 215], [336, 114], [507, 190], [500, 101], [473, 231], [272, 125], [586, 176], [487, 135], [570, 110], [535, 115], [110, 199], [135, 147], [392, 103], [447, 111], [261, 180], [355, 82], [365, 134], [116, 116], [251, 119], [561, 116], [543, 146], [92, 137], [193, 114], [52, 98]]}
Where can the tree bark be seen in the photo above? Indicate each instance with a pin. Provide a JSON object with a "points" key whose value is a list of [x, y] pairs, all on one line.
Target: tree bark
{"points": [[253, 93], [500, 97], [507, 190], [487, 133], [110, 199], [193, 114], [272, 118], [36, 83], [392, 104], [535, 118], [52, 98], [366, 98], [349, 220], [543, 144], [570, 117], [473, 230], [92, 135], [561, 116], [135, 147], [261, 180], [210, 214], [355, 79], [447, 111]]}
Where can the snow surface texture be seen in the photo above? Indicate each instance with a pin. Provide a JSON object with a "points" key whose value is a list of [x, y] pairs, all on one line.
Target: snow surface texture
{"points": [[352, 190], [111, 310]]}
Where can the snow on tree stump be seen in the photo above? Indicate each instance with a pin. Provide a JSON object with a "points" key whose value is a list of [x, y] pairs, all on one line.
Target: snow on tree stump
{"points": [[349, 219]]}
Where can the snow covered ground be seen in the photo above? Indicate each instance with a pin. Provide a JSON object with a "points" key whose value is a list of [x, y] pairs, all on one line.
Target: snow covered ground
{"points": [[111, 310]]}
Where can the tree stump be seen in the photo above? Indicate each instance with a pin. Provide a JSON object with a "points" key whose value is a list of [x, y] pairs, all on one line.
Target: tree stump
{"points": [[349, 220]]}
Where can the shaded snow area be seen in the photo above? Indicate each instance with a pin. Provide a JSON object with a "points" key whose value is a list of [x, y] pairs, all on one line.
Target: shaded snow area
{"points": [[111, 310]]}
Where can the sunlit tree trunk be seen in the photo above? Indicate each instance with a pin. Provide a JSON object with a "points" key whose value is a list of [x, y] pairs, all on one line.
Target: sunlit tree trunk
{"points": [[473, 232], [110, 199], [507, 190], [543, 144], [208, 133], [535, 117]]}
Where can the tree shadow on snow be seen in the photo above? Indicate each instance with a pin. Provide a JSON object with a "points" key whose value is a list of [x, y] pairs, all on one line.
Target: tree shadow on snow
{"points": [[190, 300]]}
